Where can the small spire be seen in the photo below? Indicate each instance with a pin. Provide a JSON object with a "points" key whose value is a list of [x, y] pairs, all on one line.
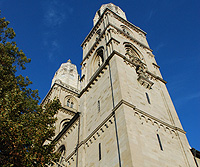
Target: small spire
{"points": [[69, 61]]}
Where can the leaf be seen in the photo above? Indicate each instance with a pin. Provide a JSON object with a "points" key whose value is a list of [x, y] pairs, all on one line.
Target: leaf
{"points": [[24, 124]]}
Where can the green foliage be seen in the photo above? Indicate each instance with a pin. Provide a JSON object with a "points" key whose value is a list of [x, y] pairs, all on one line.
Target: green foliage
{"points": [[24, 125]]}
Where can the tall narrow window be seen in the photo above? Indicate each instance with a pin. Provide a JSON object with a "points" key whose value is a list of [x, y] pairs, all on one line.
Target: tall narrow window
{"points": [[99, 151], [62, 151], [72, 104], [68, 101], [148, 99], [100, 54], [159, 141], [98, 105]]}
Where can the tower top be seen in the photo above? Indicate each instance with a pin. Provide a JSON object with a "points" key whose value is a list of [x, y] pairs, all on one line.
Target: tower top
{"points": [[110, 6], [66, 74]]}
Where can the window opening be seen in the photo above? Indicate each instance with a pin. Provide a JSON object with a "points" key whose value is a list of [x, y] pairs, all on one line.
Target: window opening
{"points": [[148, 99], [131, 52], [72, 104], [159, 142], [98, 105], [65, 124], [68, 102], [62, 152], [100, 55], [99, 151]]}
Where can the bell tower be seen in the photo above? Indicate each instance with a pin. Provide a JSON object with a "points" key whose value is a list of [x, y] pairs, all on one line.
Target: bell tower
{"points": [[127, 116], [119, 112]]}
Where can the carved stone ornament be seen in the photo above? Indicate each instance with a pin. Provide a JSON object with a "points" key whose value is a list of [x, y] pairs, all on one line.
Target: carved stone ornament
{"points": [[135, 60], [145, 81], [143, 77]]}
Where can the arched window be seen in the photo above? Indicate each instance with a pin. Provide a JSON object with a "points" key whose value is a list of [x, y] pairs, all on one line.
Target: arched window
{"points": [[97, 60], [100, 56], [71, 102], [62, 151], [64, 123]]}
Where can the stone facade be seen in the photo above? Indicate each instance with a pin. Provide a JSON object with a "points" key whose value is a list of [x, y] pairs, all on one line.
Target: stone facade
{"points": [[119, 112]]}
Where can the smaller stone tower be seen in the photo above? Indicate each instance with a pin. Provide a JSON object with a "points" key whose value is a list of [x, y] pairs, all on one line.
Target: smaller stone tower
{"points": [[65, 86]]}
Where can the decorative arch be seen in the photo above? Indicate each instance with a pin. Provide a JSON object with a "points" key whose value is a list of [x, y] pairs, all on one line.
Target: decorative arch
{"points": [[62, 151], [98, 59], [132, 51], [71, 102], [64, 123]]}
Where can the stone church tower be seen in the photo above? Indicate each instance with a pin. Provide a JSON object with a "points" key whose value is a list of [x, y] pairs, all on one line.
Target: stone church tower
{"points": [[119, 112]]}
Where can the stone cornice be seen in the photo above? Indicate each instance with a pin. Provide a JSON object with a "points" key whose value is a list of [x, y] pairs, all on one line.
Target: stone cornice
{"points": [[65, 87], [64, 130], [47, 96], [103, 66], [104, 123], [69, 112], [129, 24], [156, 77], [108, 121], [112, 39], [143, 113], [94, 45], [93, 29], [96, 74]]}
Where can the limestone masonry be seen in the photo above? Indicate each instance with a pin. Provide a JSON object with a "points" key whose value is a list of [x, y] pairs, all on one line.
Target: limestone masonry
{"points": [[119, 112]]}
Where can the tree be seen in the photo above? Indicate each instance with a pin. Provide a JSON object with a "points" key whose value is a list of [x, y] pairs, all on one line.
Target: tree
{"points": [[24, 125]]}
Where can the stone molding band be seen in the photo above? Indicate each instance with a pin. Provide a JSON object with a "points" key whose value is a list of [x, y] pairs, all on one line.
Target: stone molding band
{"points": [[110, 119], [103, 66], [68, 88]]}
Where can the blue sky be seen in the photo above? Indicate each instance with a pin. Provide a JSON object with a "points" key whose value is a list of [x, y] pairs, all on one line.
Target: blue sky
{"points": [[51, 31]]}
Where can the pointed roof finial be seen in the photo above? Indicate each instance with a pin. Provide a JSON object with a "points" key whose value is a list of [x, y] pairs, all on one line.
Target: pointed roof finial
{"points": [[69, 61], [111, 7]]}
